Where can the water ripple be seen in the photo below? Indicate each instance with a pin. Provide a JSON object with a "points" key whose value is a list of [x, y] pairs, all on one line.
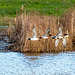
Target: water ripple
{"points": [[13, 63]]}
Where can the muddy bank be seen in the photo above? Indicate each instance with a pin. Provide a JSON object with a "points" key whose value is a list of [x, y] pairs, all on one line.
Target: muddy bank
{"points": [[24, 26]]}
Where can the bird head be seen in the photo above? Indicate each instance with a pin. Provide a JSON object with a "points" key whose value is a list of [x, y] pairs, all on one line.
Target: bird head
{"points": [[29, 38], [66, 35], [40, 37], [50, 35]]}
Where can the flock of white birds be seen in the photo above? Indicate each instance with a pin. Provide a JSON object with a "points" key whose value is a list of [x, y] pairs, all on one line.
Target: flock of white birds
{"points": [[47, 35]]}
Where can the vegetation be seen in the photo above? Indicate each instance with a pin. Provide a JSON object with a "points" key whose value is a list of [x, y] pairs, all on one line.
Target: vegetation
{"points": [[5, 20], [8, 8], [47, 7], [23, 30], [24, 23]]}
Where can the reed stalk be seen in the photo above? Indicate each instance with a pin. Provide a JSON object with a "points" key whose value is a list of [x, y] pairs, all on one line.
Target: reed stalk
{"points": [[25, 23]]}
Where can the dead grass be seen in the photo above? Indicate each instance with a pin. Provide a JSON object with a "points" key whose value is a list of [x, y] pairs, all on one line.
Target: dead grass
{"points": [[23, 30], [5, 20]]}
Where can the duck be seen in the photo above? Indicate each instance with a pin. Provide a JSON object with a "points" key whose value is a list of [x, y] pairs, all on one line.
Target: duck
{"points": [[34, 35], [46, 35], [60, 36]]}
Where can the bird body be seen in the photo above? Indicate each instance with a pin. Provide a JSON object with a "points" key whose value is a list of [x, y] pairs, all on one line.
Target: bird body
{"points": [[34, 35], [60, 36], [45, 36], [66, 35], [32, 38]]}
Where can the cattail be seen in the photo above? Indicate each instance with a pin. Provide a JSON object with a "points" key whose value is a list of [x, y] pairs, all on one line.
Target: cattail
{"points": [[9, 30], [22, 8], [58, 16], [25, 23], [72, 22]]}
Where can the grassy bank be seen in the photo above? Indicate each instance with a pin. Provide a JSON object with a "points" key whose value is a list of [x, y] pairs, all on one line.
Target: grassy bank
{"points": [[48, 7], [5, 20], [23, 30], [8, 8]]}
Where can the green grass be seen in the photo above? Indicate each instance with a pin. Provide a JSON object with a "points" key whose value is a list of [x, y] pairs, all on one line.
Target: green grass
{"points": [[47, 7]]}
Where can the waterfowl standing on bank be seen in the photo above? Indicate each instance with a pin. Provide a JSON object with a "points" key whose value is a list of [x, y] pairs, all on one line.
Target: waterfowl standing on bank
{"points": [[59, 36], [34, 35]]}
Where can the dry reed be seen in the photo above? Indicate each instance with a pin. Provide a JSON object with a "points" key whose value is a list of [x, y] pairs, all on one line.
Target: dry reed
{"points": [[23, 30]]}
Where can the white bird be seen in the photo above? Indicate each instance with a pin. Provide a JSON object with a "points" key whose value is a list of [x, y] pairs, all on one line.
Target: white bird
{"points": [[46, 35], [34, 35], [59, 36]]}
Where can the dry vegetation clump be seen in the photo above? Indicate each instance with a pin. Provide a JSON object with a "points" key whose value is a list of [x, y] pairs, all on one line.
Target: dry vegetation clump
{"points": [[23, 30], [5, 20]]}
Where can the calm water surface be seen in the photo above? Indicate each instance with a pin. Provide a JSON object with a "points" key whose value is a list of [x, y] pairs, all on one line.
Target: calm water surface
{"points": [[15, 63]]}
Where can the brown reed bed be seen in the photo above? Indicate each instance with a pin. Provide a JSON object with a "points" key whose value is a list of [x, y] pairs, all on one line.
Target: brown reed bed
{"points": [[23, 29]]}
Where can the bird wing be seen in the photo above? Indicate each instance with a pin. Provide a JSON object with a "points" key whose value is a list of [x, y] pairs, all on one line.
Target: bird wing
{"points": [[34, 32], [56, 42], [60, 30], [64, 42], [46, 33]]}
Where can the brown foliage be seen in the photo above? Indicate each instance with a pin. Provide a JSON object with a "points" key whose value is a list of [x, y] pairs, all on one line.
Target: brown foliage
{"points": [[25, 23]]}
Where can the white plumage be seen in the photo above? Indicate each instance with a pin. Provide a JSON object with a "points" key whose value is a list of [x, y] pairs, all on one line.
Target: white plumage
{"points": [[64, 42], [34, 35], [45, 36], [56, 42], [59, 36]]}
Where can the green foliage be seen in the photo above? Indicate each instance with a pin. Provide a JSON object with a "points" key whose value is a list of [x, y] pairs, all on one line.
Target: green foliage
{"points": [[47, 7]]}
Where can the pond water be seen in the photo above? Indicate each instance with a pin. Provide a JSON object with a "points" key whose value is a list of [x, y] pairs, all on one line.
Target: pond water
{"points": [[15, 63]]}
